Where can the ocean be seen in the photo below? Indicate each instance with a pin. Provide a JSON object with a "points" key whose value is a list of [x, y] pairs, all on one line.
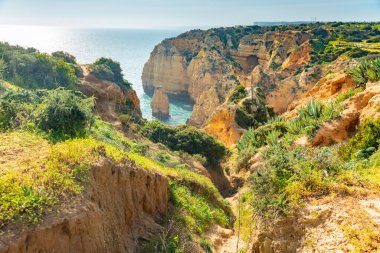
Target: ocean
{"points": [[130, 47]]}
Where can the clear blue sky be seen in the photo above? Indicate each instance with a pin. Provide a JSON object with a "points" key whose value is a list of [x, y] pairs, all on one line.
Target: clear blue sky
{"points": [[178, 13]]}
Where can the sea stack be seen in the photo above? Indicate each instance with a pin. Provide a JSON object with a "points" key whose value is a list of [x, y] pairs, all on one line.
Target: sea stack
{"points": [[160, 104]]}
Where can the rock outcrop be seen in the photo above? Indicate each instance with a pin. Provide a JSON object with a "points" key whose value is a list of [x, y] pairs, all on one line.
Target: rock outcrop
{"points": [[362, 106], [119, 206], [318, 227], [160, 104], [111, 99], [222, 125], [208, 65]]}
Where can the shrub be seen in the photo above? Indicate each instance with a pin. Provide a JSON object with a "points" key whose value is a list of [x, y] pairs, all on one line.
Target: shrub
{"points": [[350, 93], [65, 56], [366, 71], [18, 108], [256, 138], [364, 143], [138, 148], [289, 176], [253, 112], [110, 70], [311, 116], [31, 69], [239, 93], [60, 112], [65, 112], [185, 138]]}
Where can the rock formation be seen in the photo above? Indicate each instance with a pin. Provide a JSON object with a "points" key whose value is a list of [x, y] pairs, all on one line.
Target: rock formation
{"points": [[207, 65], [111, 100], [160, 104], [118, 207]]}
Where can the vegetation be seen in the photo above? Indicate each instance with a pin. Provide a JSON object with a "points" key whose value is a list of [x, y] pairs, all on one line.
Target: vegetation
{"points": [[346, 95], [290, 174], [44, 175], [185, 138], [30, 69], [253, 112], [61, 113], [367, 71], [364, 143], [238, 94], [110, 70], [353, 40]]}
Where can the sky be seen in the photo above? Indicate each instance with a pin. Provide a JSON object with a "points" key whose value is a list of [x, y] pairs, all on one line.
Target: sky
{"points": [[179, 13]]}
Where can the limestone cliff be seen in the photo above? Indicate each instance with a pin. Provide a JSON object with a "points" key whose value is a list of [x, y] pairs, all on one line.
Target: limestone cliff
{"points": [[119, 206], [207, 65], [111, 100], [160, 104]]}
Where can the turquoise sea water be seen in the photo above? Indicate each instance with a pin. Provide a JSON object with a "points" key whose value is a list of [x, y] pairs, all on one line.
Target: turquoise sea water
{"points": [[130, 47]]}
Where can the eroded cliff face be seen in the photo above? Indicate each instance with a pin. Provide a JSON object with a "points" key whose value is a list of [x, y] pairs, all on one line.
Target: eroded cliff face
{"points": [[208, 65], [120, 205], [111, 100]]}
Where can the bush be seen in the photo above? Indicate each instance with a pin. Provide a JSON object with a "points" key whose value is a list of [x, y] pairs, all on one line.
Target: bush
{"points": [[365, 142], [110, 70], [65, 56], [239, 93], [366, 71], [253, 112], [256, 138], [312, 116], [65, 113], [60, 112], [31, 69], [289, 176], [185, 138]]}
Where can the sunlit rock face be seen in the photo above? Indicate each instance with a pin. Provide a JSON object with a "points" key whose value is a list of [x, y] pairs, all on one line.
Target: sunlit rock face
{"points": [[160, 104], [208, 65]]}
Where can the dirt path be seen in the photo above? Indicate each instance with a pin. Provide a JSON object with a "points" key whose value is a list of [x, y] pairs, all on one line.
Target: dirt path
{"points": [[226, 240]]}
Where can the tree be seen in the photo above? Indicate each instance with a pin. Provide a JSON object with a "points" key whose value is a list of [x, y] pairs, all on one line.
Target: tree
{"points": [[3, 68]]}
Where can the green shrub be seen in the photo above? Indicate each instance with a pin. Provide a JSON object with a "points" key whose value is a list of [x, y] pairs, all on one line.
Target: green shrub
{"points": [[238, 94], [311, 116], [350, 93], [256, 138], [31, 69], [65, 113], [253, 112], [364, 143], [185, 138], [17, 108], [65, 56], [62, 113], [110, 70], [289, 176], [140, 148], [366, 71]]}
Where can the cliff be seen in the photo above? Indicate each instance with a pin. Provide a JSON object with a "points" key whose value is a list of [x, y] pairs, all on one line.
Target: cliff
{"points": [[118, 207], [208, 65], [111, 99]]}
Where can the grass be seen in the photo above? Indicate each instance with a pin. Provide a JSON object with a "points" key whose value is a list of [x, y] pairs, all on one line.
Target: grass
{"points": [[35, 175], [361, 232], [38, 177], [348, 94], [290, 175], [195, 210]]}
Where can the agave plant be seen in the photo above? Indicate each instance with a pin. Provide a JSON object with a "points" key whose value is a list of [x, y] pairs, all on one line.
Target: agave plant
{"points": [[273, 137], [366, 71], [313, 109]]}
